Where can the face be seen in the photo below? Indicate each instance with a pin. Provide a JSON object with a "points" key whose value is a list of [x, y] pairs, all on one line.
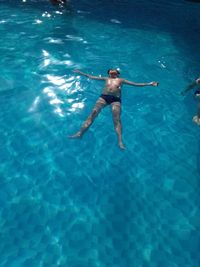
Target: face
{"points": [[113, 74]]}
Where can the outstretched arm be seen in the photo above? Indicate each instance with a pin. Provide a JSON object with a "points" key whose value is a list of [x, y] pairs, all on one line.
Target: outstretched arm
{"points": [[140, 84], [89, 76], [191, 86]]}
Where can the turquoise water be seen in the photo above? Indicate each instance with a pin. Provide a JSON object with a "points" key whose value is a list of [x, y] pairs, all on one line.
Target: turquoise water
{"points": [[78, 203]]}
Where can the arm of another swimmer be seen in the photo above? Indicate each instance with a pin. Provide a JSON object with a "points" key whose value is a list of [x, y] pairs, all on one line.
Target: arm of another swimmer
{"points": [[89, 76], [140, 84], [190, 86]]}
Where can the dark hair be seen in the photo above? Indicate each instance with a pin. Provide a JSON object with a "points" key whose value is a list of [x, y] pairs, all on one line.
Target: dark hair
{"points": [[113, 69]]}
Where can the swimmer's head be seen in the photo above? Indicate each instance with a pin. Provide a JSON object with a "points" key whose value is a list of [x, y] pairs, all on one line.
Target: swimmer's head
{"points": [[113, 72], [197, 80]]}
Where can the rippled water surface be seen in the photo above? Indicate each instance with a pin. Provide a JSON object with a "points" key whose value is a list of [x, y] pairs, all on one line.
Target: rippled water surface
{"points": [[85, 203]]}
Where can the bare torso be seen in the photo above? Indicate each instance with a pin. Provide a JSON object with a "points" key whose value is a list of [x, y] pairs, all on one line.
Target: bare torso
{"points": [[113, 87]]}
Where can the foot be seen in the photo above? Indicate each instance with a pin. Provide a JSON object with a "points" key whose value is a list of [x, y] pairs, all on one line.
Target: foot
{"points": [[77, 135], [196, 119], [121, 145]]}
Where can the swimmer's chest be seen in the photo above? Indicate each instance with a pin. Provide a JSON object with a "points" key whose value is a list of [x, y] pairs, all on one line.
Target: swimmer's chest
{"points": [[114, 82]]}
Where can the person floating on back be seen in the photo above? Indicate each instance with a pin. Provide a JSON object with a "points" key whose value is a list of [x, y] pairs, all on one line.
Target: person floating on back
{"points": [[58, 1], [196, 83], [111, 95]]}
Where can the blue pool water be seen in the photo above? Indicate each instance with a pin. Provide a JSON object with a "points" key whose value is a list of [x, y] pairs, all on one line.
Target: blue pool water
{"points": [[85, 203]]}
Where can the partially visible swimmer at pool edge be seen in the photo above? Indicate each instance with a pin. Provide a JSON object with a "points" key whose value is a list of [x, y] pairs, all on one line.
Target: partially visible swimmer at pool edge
{"points": [[111, 95], [196, 83], [58, 2]]}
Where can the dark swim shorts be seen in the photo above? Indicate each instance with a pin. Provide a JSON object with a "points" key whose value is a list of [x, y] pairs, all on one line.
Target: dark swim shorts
{"points": [[110, 99], [197, 92]]}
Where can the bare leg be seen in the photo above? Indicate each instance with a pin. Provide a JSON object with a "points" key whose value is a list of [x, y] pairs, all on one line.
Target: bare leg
{"points": [[116, 112], [196, 118], [96, 110]]}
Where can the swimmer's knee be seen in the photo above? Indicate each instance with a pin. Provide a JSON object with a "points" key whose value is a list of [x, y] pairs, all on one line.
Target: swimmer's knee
{"points": [[116, 116], [92, 116], [117, 121], [87, 123], [95, 112]]}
